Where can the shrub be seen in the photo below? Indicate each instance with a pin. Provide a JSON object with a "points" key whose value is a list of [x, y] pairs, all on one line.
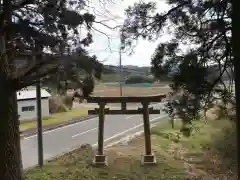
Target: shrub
{"points": [[135, 79], [67, 100], [60, 103]]}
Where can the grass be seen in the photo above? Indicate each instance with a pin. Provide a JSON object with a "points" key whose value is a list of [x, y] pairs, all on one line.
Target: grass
{"points": [[55, 118], [207, 154]]}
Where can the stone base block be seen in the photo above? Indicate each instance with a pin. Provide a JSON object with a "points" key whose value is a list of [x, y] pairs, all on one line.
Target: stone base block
{"points": [[148, 159], [100, 160]]}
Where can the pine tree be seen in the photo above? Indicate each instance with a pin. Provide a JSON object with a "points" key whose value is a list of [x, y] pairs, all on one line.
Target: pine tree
{"points": [[210, 27], [27, 29]]}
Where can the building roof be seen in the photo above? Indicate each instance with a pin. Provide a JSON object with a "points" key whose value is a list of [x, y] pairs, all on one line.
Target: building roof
{"points": [[31, 94]]}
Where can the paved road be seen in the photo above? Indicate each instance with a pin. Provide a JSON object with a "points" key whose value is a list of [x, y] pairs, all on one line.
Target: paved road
{"points": [[66, 138]]}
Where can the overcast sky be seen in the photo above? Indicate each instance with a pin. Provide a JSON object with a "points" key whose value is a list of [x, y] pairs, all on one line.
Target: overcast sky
{"points": [[107, 49]]}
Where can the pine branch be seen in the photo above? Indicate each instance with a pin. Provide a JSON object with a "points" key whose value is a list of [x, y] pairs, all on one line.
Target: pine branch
{"points": [[25, 81]]}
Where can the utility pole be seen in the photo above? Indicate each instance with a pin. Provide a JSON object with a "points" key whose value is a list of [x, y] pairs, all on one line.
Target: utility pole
{"points": [[39, 118], [120, 70], [39, 125]]}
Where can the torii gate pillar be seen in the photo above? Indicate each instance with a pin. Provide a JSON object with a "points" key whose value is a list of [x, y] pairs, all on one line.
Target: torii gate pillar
{"points": [[100, 158]]}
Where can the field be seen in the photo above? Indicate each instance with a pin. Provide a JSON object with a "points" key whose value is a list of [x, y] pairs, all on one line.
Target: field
{"points": [[210, 153], [107, 90]]}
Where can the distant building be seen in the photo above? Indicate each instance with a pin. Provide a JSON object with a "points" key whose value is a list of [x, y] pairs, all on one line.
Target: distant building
{"points": [[27, 103]]}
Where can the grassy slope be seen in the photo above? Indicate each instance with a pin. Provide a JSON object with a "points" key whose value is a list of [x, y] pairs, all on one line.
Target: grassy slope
{"points": [[202, 156], [55, 118]]}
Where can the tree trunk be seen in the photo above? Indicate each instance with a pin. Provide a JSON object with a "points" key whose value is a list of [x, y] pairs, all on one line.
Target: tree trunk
{"points": [[10, 149], [236, 61]]}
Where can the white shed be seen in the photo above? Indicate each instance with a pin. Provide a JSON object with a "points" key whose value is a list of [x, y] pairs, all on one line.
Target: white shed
{"points": [[27, 104]]}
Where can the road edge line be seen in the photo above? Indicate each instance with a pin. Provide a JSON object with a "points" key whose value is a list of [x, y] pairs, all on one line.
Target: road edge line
{"points": [[62, 126]]}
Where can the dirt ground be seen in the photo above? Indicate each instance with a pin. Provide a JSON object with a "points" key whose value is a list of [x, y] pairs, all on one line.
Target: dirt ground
{"points": [[102, 90]]}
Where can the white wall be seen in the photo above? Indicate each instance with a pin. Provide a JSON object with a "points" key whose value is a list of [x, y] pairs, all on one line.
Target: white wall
{"points": [[28, 115]]}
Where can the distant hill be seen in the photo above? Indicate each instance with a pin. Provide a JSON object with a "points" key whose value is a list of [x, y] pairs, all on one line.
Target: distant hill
{"points": [[111, 72], [128, 69]]}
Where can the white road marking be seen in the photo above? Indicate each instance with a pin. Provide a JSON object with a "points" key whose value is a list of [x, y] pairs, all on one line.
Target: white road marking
{"points": [[46, 132], [81, 122], [126, 137], [124, 132], [130, 116], [79, 134]]}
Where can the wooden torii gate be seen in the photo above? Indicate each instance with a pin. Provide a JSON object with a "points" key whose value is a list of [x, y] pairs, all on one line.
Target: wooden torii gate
{"points": [[148, 157]]}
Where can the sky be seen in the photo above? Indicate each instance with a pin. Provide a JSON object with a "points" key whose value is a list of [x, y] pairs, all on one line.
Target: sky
{"points": [[107, 42]]}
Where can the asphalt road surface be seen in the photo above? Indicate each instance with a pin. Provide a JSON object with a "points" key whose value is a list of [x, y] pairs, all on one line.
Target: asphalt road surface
{"points": [[65, 139]]}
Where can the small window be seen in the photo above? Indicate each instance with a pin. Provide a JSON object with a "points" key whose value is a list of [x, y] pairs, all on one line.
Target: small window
{"points": [[28, 108]]}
